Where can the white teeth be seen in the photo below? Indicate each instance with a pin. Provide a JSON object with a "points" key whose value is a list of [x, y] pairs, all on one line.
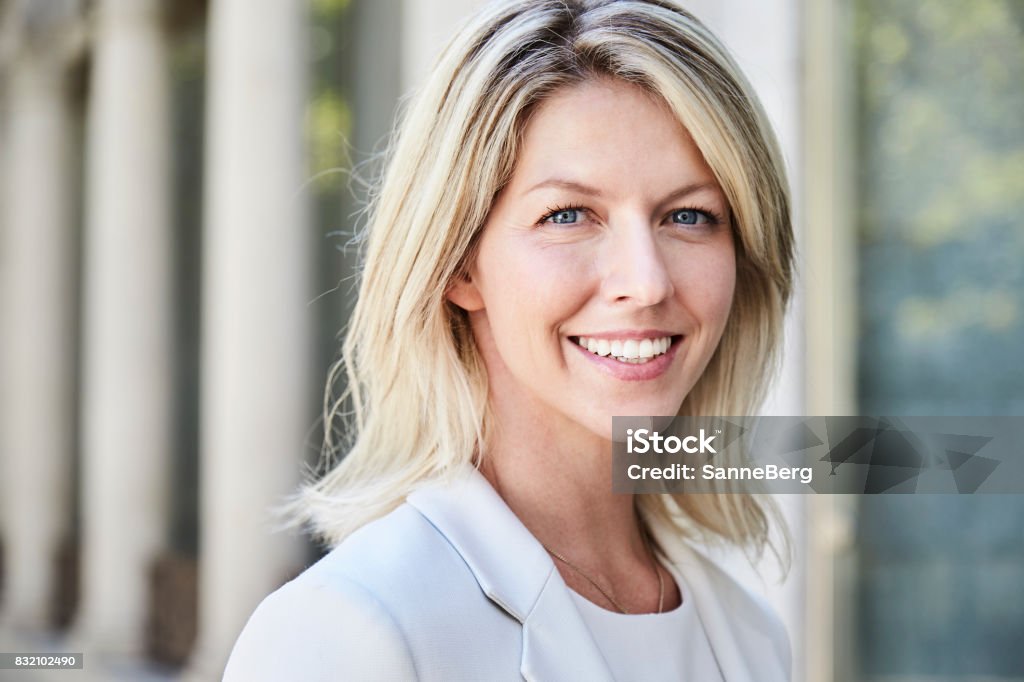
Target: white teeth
{"points": [[633, 351]]}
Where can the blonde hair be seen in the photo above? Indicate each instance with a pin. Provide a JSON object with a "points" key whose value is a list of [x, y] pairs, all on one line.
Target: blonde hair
{"points": [[417, 385]]}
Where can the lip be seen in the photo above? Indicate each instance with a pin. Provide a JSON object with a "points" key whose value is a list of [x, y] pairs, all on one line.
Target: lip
{"points": [[623, 334], [632, 372]]}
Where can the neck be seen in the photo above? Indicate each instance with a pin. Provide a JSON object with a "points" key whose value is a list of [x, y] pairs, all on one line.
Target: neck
{"points": [[559, 485], [562, 494]]}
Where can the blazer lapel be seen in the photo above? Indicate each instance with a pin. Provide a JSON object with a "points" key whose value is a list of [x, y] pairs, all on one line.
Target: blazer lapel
{"points": [[516, 573], [556, 642]]}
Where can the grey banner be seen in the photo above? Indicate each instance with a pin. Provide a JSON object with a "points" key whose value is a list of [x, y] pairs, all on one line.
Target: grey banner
{"points": [[868, 455]]}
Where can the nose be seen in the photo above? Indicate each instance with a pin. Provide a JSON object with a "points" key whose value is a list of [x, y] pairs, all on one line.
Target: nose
{"points": [[635, 271]]}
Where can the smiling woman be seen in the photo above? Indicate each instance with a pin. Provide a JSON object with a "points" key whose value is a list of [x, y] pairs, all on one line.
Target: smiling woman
{"points": [[584, 215]]}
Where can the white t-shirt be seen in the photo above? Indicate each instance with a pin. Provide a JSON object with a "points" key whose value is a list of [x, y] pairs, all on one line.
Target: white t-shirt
{"points": [[653, 646]]}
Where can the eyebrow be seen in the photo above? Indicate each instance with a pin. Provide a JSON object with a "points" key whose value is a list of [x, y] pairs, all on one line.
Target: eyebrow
{"points": [[561, 183]]}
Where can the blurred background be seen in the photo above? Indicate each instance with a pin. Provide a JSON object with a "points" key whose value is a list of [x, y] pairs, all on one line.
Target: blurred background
{"points": [[179, 186]]}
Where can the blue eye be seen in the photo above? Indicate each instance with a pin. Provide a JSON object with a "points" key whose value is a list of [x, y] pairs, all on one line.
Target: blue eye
{"points": [[690, 216], [563, 216]]}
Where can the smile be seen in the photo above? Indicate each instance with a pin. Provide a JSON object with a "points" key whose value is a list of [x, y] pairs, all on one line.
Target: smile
{"points": [[631, 351]]}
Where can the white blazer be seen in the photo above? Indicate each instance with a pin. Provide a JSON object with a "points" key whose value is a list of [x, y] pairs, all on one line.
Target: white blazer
{"points": [[452, 586]]}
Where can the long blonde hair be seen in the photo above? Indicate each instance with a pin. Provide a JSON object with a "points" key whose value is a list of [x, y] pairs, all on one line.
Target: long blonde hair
{"points": [[416, 385]]}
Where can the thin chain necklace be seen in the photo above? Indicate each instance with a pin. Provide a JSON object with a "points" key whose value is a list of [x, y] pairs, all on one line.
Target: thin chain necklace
{"points": [[605, 593]]}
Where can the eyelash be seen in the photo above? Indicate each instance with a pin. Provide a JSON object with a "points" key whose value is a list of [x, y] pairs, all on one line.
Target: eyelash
{"points": [[558, 208], [713, 218]]}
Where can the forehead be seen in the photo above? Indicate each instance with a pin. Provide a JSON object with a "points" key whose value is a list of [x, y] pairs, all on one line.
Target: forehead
{"points": [[612, 132]]}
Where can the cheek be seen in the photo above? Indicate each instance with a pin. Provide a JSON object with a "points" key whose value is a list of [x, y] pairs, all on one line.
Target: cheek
{"points": [[723, 289], [707, 282], [529, 289]]}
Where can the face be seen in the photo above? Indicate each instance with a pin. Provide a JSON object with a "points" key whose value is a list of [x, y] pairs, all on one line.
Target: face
{"points": [[605, 271]]}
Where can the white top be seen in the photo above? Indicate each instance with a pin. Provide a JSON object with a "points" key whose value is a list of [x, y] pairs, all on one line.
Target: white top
{"points": [[670, 646]]}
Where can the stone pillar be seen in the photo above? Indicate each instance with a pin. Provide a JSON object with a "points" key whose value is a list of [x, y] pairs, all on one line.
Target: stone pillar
{"points": [[256, 337], [37, 302], [127, 392]]}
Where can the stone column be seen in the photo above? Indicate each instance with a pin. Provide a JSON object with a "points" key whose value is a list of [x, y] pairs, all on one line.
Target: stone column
{"points": [[256, 337], [127, 391], [37, 302]]}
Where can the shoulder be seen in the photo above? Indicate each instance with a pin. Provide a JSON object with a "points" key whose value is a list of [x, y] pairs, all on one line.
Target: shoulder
{"points": [[404, 561], [312, 631], [331, 619], [362, 610]]}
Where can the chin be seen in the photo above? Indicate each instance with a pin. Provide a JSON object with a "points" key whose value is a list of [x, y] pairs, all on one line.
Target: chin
{"points": [[603, 426], [659, 409]]}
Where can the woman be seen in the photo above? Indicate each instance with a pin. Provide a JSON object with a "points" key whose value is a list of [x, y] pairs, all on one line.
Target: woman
{"points": [[584, 215]]}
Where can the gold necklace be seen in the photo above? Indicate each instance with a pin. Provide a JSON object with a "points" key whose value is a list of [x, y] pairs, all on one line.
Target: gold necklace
{"points": [[605, 593]]}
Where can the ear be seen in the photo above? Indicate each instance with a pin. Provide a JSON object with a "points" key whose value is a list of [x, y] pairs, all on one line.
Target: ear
{"points": [[464, 293]]}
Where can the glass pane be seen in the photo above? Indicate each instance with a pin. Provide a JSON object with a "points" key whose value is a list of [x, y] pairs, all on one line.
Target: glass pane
{"points": [[940, 189]]}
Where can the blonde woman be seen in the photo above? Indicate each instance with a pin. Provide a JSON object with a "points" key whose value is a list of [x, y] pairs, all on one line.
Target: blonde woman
{"points": [[584, 215]]}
